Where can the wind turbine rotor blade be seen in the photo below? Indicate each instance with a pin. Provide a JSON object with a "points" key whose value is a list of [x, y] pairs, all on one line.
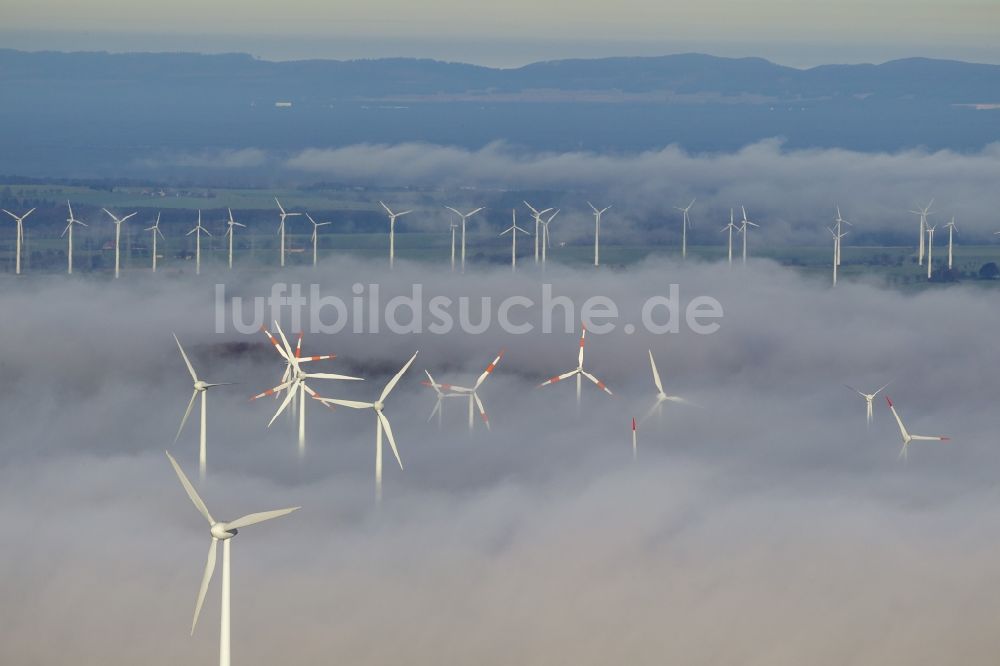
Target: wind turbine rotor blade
{"points": [[482, 410], [205, 580], [284, 341], [187, 362], [437, 407], [274, 342], [596, 381], [284, 403], [559, 378], [187, 413], [882, 388], [489, 370], [583, 338], [388, 433], [395, 380], [353, 404], [272, 391], [931, 438], [656, 374], [192, 493], [330, 375], [254, 518]]}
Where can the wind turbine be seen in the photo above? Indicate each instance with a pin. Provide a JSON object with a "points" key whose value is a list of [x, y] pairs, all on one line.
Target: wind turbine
{"points": [[464, 217], [840, 221], [836, 250], [392, 234], [453, 390], [578, 372], [315, 236], [20, 236], [198, 230], [68, 231], [442, 391], [661, 396], [512, 230], [923, 213], [546, 241], [684, 229], [231, 225], [597, 232], [224, 532], [294, 380], [869, 398], [731, 226], [537, 214], [155, 229], [744, 229], [930, 249], [907, 437], [118, 236], [452, 226], [201, 388], [381, 422], [951, 229], [281, 228]]}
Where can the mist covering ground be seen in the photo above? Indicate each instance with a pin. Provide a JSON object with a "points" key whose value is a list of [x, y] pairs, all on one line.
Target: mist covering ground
{"points": [[766, 526]]}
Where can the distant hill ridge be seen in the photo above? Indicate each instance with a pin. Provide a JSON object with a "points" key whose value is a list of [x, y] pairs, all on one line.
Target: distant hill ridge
{"points": [[689, 73]]}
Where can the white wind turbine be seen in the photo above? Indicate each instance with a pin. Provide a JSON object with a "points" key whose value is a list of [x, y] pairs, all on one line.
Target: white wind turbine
{"points": [[294, 380], [578, 372], [951, 230], [20, 236], [930, 249], [315, 236], [923, 213], [231, 225], [744, 229], [730, 227], [470, 393], [869, 398], [155, 230], [392, 234], [201, 388], [840, 221], [68, 231], [546, 241], [684, 228], [452, 226], [381, 422], [907, 437], [661, 396], [512, 230], [465, 217], [837, 236], [198, 230], [537, 214], [281, 227], [118, 237], [597, 232], [224, 532]]}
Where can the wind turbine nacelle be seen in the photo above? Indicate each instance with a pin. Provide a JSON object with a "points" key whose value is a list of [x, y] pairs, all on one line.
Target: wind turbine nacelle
{"points": [[220, 532], [200, 386]]}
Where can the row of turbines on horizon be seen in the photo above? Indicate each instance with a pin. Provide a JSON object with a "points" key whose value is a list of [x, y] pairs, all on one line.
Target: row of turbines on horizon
{"points": [[542, 240], [293, 391]]}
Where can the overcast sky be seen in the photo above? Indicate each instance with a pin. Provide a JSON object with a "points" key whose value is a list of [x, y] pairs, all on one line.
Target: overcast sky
{"points": [[800, 33]]}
